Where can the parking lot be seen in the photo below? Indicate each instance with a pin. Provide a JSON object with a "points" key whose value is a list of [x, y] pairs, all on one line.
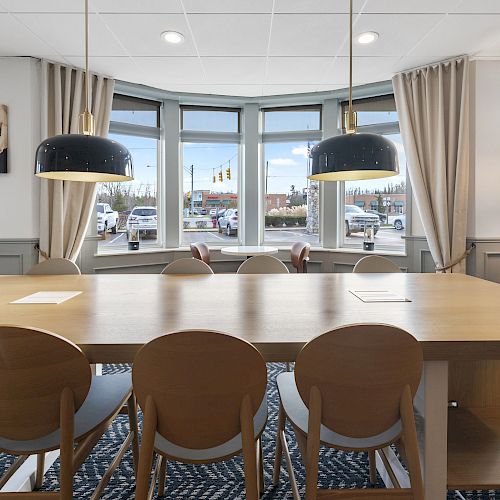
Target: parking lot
{"points": [[386, 237]]}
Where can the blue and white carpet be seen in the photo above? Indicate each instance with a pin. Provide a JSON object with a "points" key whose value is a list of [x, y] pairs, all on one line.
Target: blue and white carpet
{"points": [[223, 480]]}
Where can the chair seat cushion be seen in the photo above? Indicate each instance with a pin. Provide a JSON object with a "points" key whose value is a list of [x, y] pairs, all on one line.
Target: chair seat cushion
{"points": [[298, 414], [227, 449], [106, 396]]}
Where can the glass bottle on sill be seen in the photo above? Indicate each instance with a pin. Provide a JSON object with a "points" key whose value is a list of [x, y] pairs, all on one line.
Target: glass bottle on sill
{"points": [[369, 238], [133, 236]]}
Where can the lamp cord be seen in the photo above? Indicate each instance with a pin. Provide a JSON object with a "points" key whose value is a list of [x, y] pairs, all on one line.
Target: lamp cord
{"points": [[87, 88]]}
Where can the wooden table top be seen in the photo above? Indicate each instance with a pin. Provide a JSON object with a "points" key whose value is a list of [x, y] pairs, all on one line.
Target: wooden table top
{"points": [[249, 250], [453, 316]]}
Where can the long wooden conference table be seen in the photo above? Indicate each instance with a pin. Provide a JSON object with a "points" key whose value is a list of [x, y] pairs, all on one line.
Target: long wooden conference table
{"points": [[454, 317]]}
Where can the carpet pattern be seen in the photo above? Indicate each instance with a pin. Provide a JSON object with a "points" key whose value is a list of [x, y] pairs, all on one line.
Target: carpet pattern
{"points": [[223, 480]]}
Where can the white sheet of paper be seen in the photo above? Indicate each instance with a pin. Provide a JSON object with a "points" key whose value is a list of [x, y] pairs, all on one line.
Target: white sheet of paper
{"points": [[378, 296], [46, 298]]}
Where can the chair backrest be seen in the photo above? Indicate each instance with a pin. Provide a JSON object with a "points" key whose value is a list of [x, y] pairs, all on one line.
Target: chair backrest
{"points": [[197, 380], [200, 251], [35, 367], [299, 253], [262, 264], [361, 372], [187, 266], [375, 264], [55, 266]]}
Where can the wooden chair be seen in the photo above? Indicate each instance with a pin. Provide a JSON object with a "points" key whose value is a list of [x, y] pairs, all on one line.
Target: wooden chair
{"points": [[201, 251], [299, 254], [203, 398], [55, 266], [49, 400], [187, 266], [375, 264], [262, 264], [352, 389]]}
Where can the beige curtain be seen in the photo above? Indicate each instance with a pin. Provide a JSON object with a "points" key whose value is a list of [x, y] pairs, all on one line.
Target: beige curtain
{"points": [[433, 110], [66, 207]]}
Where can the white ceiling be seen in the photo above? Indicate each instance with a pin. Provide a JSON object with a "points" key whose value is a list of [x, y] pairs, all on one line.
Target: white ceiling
{"points": [[249, 47]]}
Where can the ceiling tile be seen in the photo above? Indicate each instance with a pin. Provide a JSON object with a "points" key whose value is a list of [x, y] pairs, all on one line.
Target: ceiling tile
{"points": [[297, 70], [308, 34], [65, 32], [171, 69], [297, 89], [231, 70], [229, 6], [316, 6], [57, 6], [411, 6], [144, 6], [231, 34], [459, 34], [140, 34], [479, 7], [365, 70], [16, 40], [120, 68], [230, 90], [399, 33]]}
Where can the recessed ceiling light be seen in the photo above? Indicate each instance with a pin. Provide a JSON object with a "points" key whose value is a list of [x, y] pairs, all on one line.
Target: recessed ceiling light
{"points": [[173, 37], [367, 37]]}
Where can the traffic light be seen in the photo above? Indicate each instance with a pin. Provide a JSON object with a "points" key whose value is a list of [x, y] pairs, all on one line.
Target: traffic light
{"points": [[228, 173], [215, 180], [188, 195], [220, 176]]}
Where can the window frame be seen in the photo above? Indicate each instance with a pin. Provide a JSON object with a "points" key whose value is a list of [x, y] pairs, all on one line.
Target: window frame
{"points": [[147, 132], [287, 137], [386, 128], [207, 137]]}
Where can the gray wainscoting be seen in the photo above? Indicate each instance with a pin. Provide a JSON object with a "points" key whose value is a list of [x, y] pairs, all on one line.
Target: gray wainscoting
{"points": [[17, 255]]}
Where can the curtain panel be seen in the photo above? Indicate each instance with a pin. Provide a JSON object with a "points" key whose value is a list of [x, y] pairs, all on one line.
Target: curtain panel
{"points": [[66, 207], [433, 109]]}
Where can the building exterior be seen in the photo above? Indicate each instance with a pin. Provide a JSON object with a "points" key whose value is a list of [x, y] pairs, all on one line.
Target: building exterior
{"points": [[275, 201], [386, 203]]}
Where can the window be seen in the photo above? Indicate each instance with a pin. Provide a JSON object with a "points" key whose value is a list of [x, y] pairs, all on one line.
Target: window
{"points": [[381, 203], [122, 206], [291, 205], [210, 167]]}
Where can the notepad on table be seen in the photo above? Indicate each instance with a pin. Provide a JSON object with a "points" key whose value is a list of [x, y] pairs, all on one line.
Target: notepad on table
{"points": [[379, 296], [47, 297]]}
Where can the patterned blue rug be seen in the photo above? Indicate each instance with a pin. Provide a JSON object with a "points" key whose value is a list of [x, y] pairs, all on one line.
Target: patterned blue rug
{"points": [[223, 480]]}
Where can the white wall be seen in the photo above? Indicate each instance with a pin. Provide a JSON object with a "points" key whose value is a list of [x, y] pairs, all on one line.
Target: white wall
{"points": [[19, 188], [484, 192]]}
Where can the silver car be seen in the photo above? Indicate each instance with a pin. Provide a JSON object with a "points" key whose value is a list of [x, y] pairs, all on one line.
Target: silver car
{"points": [[228, 223], [144, 219]]}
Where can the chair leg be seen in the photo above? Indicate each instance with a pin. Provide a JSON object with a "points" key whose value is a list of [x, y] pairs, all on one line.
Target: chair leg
{"points": [[67, 444], [313, 441], [373, 467], [260, 462], [132, 419], [411, 444], [162, 476], [146, 451], [40, 464], [249, 449], [279, 448]]}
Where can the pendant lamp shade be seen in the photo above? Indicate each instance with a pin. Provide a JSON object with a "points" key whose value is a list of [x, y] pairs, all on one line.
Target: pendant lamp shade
{"points": [[87, 158], [354, 157]]}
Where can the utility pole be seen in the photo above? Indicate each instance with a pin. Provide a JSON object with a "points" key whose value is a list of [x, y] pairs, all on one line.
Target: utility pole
{"points": [[191, 171]]}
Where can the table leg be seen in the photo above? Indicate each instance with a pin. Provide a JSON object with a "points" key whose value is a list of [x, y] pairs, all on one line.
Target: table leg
{"points": [[435, 411]]}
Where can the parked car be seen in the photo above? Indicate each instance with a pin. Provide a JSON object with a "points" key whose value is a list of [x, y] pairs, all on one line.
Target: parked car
{"points": [[213, 212], [144, 219], [399, 222], [107, 218], [228, 223], [381, 216], [356, 219]]}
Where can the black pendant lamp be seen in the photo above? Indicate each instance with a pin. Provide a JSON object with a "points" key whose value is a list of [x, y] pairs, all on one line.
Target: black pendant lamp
{"points": [[83, 157], [353, 156]]}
